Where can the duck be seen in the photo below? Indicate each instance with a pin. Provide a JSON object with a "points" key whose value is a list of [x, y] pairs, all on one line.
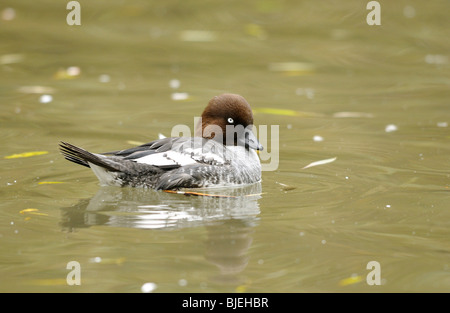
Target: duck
{"points": [[222, 152]]}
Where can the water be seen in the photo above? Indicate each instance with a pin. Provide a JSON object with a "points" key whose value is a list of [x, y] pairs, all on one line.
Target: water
{"points": [[373, 97]]}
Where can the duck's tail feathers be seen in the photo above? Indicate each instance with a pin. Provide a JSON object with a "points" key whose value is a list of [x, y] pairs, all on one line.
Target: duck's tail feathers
{"points": [[82, 157]]}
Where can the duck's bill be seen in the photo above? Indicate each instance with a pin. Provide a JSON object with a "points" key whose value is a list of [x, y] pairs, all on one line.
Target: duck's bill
{"points": [[250, 141]]}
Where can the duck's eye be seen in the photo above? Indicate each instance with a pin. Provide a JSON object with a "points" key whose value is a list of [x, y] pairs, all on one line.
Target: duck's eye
{"points": [[230, 120]]}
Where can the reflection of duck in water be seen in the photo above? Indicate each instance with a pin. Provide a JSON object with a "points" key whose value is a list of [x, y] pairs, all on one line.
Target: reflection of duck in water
{"points": [[223, 154], [229, 221], [143, 208], [227, 248]]}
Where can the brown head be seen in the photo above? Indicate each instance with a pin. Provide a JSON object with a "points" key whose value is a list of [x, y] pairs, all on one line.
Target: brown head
{"points": [[231, 116]]}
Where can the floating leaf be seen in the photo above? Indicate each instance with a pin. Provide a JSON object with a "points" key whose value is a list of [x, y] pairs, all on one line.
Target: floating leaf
{"points": [[50, 182], [390, 128], [292, 68], [25, 154], [198, 35], [32, 211], [35, 89], [285, 187], [321, 162], [135, 143], [352, 115], [276, 111], [28, 210], [67, 73], [285, 112], [180, 96], [241, 288], [350, 280], [255, 30], [11, 58]]}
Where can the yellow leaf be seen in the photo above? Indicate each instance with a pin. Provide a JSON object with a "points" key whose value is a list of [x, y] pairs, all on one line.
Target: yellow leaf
{"points": [[276, 111], [350, 280], [67, 73], [36, 89], [293, 68], [255, 30], [285, 112], [137, 143], [28, 210], [32, 211], [25, 154]]}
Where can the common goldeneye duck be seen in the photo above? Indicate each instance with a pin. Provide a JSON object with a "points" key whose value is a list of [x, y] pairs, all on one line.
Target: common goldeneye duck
{"points": [[222, 153]]}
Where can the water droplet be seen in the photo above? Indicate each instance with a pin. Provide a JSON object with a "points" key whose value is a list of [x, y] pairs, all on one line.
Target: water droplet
{"points": [[104, 78], [45, 99], [390, 128], [8, 14], [409, 11], [177, 96], [174, 83], [148, 287], [73, 71], [317, 138]]}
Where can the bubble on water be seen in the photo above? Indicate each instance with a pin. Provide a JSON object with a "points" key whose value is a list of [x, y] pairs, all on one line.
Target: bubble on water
{"points": [[307, 92], [174, 83], [104, 78], [409, 11], [45, 99], [317, 138], [73, 71], [97, 259], [323, 241], [436, 59], [148, 287], [390, 128], [182, 282], [178, 96], [260, 261], [198, 35], [442, 124], [8, 14], [301, 234]]}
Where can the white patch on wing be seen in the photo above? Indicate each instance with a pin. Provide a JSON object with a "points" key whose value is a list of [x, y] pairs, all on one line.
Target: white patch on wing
{"points": [[175, 158], [169, 158]]}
